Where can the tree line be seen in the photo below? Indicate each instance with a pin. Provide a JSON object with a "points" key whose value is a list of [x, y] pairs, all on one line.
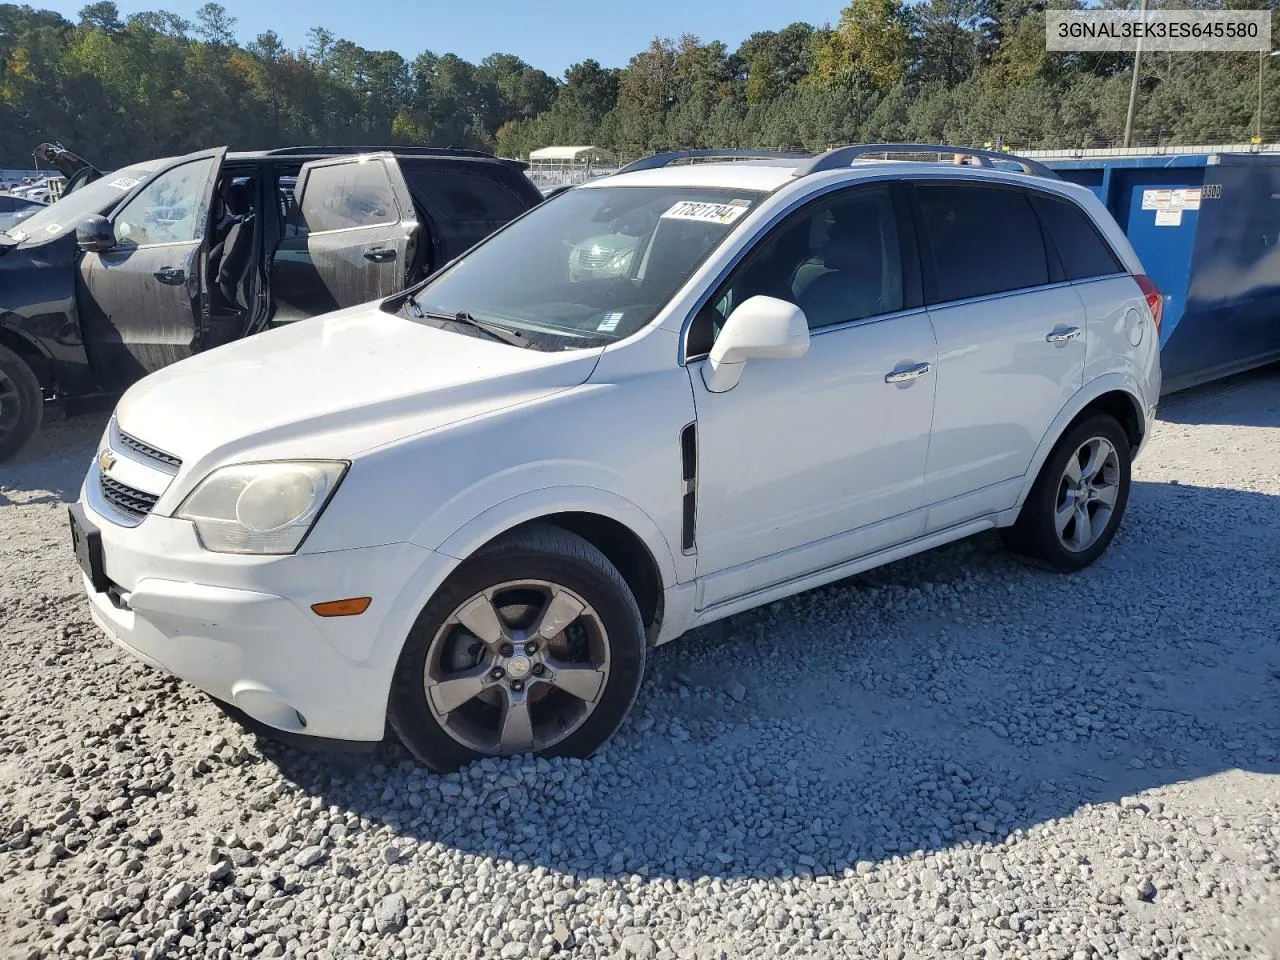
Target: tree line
{"points": [[117, 89]]}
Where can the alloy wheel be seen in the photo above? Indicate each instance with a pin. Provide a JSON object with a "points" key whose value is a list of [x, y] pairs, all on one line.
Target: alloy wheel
{"points": [[517, 667], [1087, 494]]}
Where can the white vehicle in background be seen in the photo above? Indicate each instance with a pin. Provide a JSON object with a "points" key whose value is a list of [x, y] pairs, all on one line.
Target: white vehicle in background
{"points": [[467, 511], [13, 210], [45, 190]]}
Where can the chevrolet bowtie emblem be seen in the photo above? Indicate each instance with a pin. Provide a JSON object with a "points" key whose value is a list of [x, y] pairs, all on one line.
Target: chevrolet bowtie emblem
{"points": [[106, 460]]}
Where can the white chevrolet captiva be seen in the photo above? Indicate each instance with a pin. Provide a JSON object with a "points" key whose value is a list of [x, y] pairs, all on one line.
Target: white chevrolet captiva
{"points": [[658, 399]]}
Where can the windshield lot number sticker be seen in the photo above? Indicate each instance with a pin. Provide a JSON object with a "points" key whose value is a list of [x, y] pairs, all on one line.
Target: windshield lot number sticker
{"points": [[706, 212], [123, 183]]}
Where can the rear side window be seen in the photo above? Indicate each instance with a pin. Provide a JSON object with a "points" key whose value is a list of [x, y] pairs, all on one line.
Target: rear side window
{"points": [[461, 197], [984, 240], [345, 195], [1083, 252]]}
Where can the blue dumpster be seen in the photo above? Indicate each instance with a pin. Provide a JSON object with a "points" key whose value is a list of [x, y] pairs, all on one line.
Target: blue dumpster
{"points": [[1207, 227]]}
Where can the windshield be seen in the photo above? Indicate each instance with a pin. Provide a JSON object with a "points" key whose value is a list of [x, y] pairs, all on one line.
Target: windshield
{"points": [[98, 197], [588, 267]]}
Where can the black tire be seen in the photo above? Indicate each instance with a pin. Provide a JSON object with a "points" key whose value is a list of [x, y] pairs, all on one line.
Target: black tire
{"points": [[21, 403], [1035, 535], [537, 551]]}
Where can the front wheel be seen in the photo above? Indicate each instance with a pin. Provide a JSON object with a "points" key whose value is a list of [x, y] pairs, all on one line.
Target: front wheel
{"points": [[21, 403], [1075, 506], [534, 645]]}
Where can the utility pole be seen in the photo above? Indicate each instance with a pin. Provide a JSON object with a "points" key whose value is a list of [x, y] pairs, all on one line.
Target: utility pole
{"points": [[1133, 86], [1262, 59]]}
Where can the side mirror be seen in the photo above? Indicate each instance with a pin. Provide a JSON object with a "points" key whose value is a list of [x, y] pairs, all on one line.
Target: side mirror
{"points": [[760, 328], [94, 233]]}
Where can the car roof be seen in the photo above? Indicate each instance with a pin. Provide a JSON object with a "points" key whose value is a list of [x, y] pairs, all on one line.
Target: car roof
{"points": [[147, 166], [306, 153], [768, 175]]}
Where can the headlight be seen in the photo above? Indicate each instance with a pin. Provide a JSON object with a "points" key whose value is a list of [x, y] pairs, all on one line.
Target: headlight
{"points": [[260, 507]]}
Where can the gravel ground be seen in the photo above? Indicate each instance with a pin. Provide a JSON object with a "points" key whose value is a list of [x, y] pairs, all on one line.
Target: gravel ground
{"points": [[952, 755]]}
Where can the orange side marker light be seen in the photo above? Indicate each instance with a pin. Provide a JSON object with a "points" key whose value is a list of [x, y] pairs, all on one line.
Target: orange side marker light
{"points": [[351, 607]]}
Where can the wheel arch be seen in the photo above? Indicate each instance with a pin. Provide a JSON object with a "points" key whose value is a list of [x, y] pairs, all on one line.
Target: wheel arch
{"points": [[1115, 395], [1121, 406], [627, 536], [27, 349]]}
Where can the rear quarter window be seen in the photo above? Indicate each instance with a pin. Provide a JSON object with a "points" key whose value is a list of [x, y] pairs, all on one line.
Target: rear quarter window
{"points": [[1082, 249]]}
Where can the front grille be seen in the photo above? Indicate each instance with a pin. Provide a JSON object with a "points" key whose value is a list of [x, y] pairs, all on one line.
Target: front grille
{"points": [[593, 258], [128, 500], [148, 451]]}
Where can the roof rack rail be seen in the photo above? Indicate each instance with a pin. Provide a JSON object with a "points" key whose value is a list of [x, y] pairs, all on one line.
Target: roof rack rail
{"points": [[659, 160], [378, 148], [842, 156]]}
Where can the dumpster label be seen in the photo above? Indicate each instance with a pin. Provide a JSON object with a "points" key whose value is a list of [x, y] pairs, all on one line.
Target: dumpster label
{"points": [[1169, 204]]}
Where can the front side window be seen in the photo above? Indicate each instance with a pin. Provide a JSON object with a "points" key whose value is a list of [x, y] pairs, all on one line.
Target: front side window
{"points": [[589, 267], [346, 195], [838, 259], [98, 197], [167, 209], [984, 240]]}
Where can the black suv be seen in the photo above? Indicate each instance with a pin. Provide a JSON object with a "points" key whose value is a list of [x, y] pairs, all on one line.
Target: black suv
{"points": [[138, 268]]}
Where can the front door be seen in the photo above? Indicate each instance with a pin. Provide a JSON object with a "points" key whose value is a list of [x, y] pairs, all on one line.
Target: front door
{"points": [[813, 461], [1011, 345], [350, 237], [141, 302]]}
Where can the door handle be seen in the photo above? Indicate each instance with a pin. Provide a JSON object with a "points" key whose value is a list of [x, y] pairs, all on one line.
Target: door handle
{"points": [[173, 275], [906, 374], [380, 255], [1063, 336]]}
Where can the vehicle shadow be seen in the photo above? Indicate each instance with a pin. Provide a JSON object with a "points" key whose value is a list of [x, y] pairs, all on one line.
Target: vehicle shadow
{"points": [[1219, 402], [953, 697], [50, 467]]}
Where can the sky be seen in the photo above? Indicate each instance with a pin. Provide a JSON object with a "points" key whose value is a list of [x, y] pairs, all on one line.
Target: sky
{"points": [[550, 34]]}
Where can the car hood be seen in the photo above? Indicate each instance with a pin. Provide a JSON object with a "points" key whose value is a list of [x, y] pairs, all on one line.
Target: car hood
{"points": [[334, 386]]}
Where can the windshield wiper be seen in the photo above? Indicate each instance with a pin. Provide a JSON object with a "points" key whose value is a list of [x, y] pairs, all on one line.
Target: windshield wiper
{"points": [[492, 330]]}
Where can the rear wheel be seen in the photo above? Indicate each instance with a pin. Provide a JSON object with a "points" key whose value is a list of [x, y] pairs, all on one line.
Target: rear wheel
{"points": [[1076, 504], [535, 645], [21, 403]]}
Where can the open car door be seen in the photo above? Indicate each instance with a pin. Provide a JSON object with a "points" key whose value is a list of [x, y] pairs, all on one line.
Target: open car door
{"points": [[142, 301], [351, 236]]}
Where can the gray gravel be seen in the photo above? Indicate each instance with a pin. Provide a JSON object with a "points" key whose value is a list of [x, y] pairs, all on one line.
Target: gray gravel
{"points": [[952, 755]]}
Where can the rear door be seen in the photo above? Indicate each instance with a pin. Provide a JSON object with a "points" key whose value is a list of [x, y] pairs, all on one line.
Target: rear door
{"points": [[1011, 343], [350, 237], [142, 302]]}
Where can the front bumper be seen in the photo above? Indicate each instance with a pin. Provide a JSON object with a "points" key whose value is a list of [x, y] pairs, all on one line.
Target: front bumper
{"points": [[241, 628]]}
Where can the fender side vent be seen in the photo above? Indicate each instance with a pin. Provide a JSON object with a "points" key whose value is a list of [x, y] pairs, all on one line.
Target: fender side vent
{"points": [[689, 476]]}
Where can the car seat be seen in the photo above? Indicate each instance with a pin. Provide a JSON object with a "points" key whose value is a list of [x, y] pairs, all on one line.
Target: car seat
{"points": [[853, 286], [230, 258]]}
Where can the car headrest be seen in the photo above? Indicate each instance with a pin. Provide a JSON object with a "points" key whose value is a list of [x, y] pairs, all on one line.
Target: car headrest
{"points": [[238, 199], [853, 243]]}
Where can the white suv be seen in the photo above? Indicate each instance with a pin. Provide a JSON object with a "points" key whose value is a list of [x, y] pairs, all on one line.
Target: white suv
{"points": [[468, 510]]}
